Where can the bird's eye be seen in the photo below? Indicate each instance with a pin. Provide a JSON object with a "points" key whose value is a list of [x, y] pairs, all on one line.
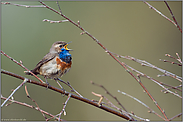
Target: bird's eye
{"points": [[60, 46]]}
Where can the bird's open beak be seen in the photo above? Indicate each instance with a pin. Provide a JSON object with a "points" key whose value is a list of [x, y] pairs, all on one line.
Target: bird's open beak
{"points": [[67, 48]]}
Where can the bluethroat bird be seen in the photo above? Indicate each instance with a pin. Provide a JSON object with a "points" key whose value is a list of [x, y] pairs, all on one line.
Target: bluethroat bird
{"points": [[55, 63]]}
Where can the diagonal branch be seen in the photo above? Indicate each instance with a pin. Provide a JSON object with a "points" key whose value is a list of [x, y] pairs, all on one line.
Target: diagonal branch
{"points": [[175, 23], [30, 106], [27, 6], [85, 100], [173, 16], [25, 80], [20, 64]]}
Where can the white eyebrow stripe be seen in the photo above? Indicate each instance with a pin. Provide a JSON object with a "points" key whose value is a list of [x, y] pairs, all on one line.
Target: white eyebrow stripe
{"points": [[57, 45]]}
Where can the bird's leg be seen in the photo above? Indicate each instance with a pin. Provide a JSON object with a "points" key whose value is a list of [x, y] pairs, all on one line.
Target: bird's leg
{"points": [[46, 82]]}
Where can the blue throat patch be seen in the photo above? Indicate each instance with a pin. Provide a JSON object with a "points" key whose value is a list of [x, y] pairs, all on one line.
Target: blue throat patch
{"points": [[65, 55]]}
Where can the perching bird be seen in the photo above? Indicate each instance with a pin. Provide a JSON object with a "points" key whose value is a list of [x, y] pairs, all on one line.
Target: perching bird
{"points": [[54, 64]]}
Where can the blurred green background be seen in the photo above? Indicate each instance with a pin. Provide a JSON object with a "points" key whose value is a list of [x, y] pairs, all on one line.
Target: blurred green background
{"points": [[125, 28]]}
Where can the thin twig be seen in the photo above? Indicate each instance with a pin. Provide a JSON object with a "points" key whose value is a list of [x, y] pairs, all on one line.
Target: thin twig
{"points": [[179, 59], [107, 92], [145, 63], [152, 111], [26, 91], [156, 103], [119, 109], [63, 110], [151, 7], [59, 7], [20, 64], [25, 80], [171, 62], [30, 106], [178, 115], [154, 80], [68, 84], [27, 6], [176, 87], [51, 21], [170, 56], [173, 16], [101, 98]]}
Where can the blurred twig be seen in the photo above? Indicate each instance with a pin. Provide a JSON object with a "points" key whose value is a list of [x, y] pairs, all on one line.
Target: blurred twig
{"points": [[178, 115], [154, 80], [111, 104], [178, 59], [27, 105], [59, 7], [173, 16], [145, 63], [100, 103], [26, 91], [51, 21], [107, 92], [27, 6], [151, 111], [25, 80], [20, 64], [175, 23], [68, 84], [63, 109]]}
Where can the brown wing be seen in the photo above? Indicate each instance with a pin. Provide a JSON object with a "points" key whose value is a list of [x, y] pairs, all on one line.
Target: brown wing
{"points": [[45, 59]]}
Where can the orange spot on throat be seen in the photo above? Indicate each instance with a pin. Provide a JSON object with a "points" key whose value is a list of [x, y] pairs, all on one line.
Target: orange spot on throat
{"points": [[63, 65]]}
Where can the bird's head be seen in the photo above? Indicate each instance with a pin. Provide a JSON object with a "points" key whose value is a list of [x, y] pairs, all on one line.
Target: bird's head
{"points": [[58, 46]]}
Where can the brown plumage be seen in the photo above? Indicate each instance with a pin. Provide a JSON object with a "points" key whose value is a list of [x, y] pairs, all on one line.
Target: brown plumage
{"points": [[51, 66]]}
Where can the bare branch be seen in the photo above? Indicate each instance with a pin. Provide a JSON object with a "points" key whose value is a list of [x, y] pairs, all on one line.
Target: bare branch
{"points": [[27, 6], [21, 64], [173, 16], [107, 92], [145, 63], [154, 80], [68, 84], [34, 102], [114, 106], [178, 115], [63, 109], [171, 62], [151, 7], [51, 21], [59, 7], [25, 80], [151, 111], [119, 114], [179, 59], [30, 106]]}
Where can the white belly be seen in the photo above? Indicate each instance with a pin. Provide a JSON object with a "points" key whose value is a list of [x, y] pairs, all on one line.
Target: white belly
{"points": [[49, 68]]}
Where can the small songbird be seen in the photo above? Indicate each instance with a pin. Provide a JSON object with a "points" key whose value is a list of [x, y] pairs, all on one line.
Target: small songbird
{"points": [[55, 63]]}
